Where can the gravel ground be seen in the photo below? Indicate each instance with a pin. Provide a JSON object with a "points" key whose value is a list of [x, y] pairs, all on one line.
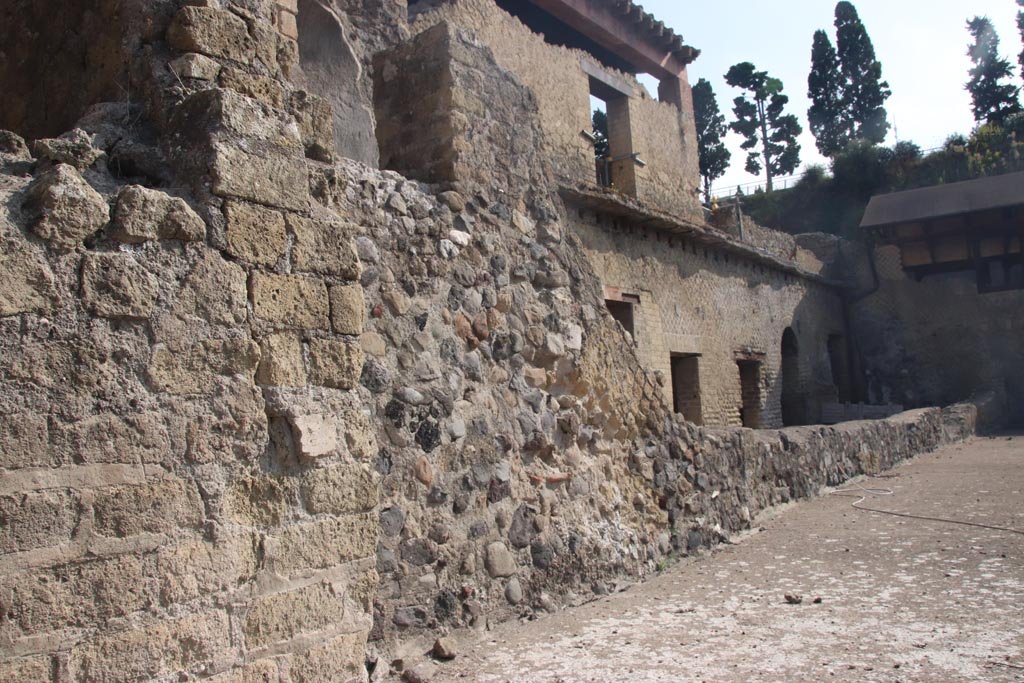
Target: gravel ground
{"points": [[900, 599]]}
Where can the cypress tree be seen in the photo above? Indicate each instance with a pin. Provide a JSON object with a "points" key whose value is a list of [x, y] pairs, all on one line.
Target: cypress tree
{"points": [[864, 91], [993, 97], [1020, 28], [762, 121], [828, 118], [711, 129]]}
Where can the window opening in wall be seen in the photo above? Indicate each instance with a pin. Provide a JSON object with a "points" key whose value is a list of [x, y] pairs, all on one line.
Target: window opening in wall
{"points": [[614, 158], [1000, 274], [839, 360], [686, 387], [621, 306], [750, 388], [599, 125], [792, 394]]}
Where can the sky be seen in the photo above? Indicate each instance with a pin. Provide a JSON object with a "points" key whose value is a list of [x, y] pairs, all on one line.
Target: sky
{"points": [[922, 45]]}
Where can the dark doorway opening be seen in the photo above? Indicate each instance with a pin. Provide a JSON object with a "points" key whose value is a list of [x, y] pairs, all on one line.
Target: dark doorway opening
{"points": [[793, 408], [622, 311], [839, 360], [686, 387], [750, 387]]}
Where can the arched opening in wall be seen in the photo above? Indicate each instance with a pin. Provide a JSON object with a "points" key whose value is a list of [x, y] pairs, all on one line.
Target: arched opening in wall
{"points": [[839, 360], [330, 68], [56, 60], [793, 409]]}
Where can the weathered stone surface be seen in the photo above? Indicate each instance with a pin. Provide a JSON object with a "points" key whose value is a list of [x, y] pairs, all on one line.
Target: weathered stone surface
{"points": [[37, 519], [316, 122], [36, 668], [281, 617], [142, 214], [324, 246], [335, 363], [348, 309], [157, 507], [291, 301], [315, 435], [254, 233], [26, 279], [65, 208], [197, 66], [341, 659], [212, 32], [118, 286], [263, 671], [281, 362], [260, 88], [24, 441], [145, 653], [514, 592], [270, 177], [195, 368], [340, 490], [74, 148], [499, 561]]}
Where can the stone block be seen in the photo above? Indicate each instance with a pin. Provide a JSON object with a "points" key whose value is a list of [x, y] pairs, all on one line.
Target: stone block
{"points": [[348, 309], [260, 88], [24, 441], [26, 280], [212, 32], [196, 66], [335, 363], [64, 208], [340, 660], [260, 500], [193, 569], [169, 647], [268, 177], [215, 292], [254, 233], [142, 214], [74, 148], [324, 246], [118, 286], [316, 124], [323, 544], [37, 520], [263, 671], [499, 561], [36, 669], [340, 490], [281, 617], [281, 362], [107, 438], [315, 435], [196, 368], [156, 507], [291, 301]]}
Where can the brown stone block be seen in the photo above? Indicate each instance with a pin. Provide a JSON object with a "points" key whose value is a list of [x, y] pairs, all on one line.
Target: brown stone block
{"points": [[281, 364], [259, 501], [320, 545], [37, 669], [118, 286], [65, 208], [266, 90], [185, 644], [291, 301], [254, 233], [156, 507], [316, 123], [142, 214], [348, 309], [37, 520], [212, 32], [109, 438], [26, 280], [196, 369], [334, 363], [190, 570], [281, 617], [269, 177], [263, 671], [341, 659], [340, 490], [325, 247], [24, 441]]}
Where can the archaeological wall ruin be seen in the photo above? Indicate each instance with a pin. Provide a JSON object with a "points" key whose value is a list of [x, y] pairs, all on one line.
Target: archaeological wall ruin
{"points": [[270, 413]]}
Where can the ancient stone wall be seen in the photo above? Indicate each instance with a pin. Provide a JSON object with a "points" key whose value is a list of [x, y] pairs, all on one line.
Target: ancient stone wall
{"points": [[938, 340], [698, 300]]}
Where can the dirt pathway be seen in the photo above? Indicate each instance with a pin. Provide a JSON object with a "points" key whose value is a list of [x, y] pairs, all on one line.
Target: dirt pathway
{"points": [[901, 599]]}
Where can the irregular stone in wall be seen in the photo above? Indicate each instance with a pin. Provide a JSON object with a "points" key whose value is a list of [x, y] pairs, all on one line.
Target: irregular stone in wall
{"points": [[291, 301], [74, 148], [282, 363], [37, 668], [322, 544], [156, 507], [24, 441], [259, 500], [213, 294], [315, 435], [254, 233], [196, 568], [325, 246], [65, 208], [117, 286], [316, 123], [266, 90], [37, 519], [142, 214], [212, 32], [340, 490], [335, 363], [348, 309], [281, 617], [144, 653], [195, 368], [197, 66], [499, 561]]}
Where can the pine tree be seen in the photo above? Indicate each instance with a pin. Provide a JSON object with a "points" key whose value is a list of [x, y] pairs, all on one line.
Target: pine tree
{"points": [[864, 91], [829, 119], [711, 129], [762, 121], [1020, 27], [994, 98]]}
